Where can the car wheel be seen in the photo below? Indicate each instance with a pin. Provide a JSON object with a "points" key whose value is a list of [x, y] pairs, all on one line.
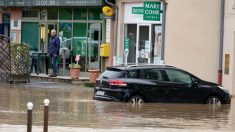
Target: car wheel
{"points": [[214, 100], [136, 100]]}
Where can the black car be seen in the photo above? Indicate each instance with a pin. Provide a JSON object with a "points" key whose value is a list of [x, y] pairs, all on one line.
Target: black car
{"points": [[157, 83]]}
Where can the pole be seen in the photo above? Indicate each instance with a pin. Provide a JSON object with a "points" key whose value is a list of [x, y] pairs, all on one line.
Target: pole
{"points": [[220, 71], [29, 117], [46, 110]]}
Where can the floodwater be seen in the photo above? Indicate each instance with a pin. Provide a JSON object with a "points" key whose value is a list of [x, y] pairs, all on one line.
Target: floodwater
{"points": [[73, 109]]}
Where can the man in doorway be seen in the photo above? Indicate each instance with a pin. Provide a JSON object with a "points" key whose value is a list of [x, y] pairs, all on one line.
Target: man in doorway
{"points": [[53, 51]]}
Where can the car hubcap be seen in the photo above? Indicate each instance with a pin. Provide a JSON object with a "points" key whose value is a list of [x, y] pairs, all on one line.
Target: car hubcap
{"points": [[136, 100], [215, 101]]}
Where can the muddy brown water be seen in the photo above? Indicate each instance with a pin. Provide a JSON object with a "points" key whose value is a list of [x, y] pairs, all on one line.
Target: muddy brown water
{"points": [[73, 106]]}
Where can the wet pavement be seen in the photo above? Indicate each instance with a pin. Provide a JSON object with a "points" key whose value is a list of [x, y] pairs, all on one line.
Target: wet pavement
{"points": [[73, 109]]}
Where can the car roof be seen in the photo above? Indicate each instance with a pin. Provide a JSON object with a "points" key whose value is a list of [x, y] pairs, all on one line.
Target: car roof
{"points": [[139, 66]]}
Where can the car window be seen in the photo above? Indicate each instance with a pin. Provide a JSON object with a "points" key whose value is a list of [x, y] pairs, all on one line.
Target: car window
{"points": [[133, 73], [111, 74], [153, 74], [178, 76]]}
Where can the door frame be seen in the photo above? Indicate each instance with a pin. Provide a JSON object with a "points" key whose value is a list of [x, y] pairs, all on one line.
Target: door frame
{"points": [[88, 57], [137, 40], [55, 24]]}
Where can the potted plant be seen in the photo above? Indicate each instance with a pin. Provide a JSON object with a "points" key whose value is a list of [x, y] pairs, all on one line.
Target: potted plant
{"points": [[74, 70], [93, 73]]}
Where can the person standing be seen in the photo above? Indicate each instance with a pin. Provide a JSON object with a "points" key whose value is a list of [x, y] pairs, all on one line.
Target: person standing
{"points": [[53, 51]]}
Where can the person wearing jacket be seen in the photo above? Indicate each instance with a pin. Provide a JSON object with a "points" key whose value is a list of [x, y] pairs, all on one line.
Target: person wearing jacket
{"points": [[53, 51]]}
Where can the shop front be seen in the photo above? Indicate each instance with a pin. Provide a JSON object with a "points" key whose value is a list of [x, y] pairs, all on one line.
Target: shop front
{"points": [[78, 24], [143, 32]]}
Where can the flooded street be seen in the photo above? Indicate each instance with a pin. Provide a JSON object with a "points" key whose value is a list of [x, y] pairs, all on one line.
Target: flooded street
{"points": [[73, 109]]}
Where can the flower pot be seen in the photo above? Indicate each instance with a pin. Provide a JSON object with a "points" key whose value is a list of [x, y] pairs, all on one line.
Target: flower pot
{"points": [[74, 73], [93, 75]]}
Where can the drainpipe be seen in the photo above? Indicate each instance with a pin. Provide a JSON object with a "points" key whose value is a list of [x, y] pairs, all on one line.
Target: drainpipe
{"points": [[220, 71], [163, 29], [116, 27]]}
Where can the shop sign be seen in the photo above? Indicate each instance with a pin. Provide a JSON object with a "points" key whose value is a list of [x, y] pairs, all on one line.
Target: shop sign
{"points": [[151, 11], [50, 2], [126, 47], [126, 43], [137, 10]]}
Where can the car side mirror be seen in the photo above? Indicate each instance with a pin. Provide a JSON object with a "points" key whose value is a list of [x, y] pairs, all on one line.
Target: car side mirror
{"points": [[195, 82]]}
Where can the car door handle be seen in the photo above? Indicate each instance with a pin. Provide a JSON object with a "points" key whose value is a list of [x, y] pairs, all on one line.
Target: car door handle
{"points": [[174, 90]]}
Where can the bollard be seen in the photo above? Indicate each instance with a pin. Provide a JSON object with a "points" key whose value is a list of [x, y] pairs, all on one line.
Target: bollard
{"points": [[29, 117], [46, 111]]}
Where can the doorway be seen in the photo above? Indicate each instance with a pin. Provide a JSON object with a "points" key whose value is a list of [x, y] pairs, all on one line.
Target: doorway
{"points": [[45, 34], [93, 45], [143, 43]]}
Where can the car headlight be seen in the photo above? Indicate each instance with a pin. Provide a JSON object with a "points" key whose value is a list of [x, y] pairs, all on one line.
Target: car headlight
{"points": [[224, 89]]}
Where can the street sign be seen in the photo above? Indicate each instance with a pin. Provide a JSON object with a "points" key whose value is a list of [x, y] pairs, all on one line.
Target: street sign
{"points": [[126, 43], [126, 48], [152, 11]]}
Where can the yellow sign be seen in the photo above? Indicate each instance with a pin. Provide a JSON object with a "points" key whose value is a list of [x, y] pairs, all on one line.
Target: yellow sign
{"points": [[108, 11], [104, 50]]}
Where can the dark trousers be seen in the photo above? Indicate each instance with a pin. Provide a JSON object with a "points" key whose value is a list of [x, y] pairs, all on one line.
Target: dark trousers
{"points": [[53, 64], [33, 65]]}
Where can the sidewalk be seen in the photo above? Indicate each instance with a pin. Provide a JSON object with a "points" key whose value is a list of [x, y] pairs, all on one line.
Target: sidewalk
{"points": [[66, 79]]}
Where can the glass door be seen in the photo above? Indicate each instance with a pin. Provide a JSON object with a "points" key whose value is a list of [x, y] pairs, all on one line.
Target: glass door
{"points": [[93, 45], [43, 38], [45, 34], [143, 47]]}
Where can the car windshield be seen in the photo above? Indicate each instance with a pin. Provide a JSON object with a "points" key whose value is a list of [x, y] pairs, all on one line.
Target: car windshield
{"points": [[112, 73]]}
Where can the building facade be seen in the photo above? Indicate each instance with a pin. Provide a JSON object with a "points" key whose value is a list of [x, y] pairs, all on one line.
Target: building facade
{"points": [[229, 46], [79, 25], [188, 37]]}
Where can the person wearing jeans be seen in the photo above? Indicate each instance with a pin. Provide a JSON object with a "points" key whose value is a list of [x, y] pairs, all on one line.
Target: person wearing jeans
{"points": [[53, 51]]}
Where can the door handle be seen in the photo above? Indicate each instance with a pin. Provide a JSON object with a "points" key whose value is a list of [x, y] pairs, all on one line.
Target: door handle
{"points": [[174, 90]]}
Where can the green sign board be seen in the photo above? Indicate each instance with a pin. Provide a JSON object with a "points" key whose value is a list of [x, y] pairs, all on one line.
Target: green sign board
{"points": [[152, 11], [137, 10], [126, 43]]}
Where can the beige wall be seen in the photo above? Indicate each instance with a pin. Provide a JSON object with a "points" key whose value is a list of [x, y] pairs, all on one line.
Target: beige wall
{"points": [[229, 42], [192, 36]]}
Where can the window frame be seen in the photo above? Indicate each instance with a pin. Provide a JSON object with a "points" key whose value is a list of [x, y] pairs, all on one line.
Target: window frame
{"points": [[160, 70], [179, 70]]}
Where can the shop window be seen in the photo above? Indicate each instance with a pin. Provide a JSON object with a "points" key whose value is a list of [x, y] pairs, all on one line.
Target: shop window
{"points": [[131, 34], [30, 13], [80, 43], [95, 14], [80, 39], [80, 14], [52, 14], [65, 14], [6, 17]]}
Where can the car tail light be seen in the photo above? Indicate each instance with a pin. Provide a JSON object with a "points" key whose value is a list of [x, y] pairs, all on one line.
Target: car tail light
{"points": [[117, 83]]}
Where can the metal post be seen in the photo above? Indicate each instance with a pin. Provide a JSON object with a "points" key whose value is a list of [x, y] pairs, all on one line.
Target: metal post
{"points": [[29, 117], [46, 110]]}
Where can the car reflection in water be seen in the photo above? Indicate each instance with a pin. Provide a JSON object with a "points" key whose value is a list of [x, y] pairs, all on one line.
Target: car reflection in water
{"points": [[152, 115]]}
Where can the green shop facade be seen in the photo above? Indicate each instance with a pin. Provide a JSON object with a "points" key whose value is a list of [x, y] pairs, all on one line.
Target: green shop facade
{"points": [[79, 25]]}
